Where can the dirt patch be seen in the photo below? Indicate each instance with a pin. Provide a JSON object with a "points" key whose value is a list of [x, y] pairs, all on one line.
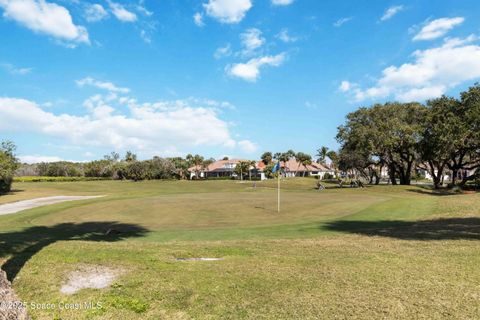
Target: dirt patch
{"points": [[198, 259], [18, 206], [93, 277], [10, 306]]}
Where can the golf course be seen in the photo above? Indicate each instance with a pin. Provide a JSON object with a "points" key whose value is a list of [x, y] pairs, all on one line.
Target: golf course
{"points": [[220, 250]]}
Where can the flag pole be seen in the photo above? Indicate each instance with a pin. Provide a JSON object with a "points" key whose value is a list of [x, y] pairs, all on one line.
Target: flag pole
{"points": [[278, 192]]}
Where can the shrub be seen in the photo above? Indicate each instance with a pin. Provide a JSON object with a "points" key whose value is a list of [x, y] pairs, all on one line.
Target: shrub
{"points": [[8, 165], [328, 176]]}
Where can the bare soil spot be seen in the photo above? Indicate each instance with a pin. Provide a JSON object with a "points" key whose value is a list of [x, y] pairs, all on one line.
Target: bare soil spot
{"points": [[89, 276]]}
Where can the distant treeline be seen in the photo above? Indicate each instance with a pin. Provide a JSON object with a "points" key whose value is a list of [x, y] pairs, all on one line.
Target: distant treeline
{"points": [[111, 168]]}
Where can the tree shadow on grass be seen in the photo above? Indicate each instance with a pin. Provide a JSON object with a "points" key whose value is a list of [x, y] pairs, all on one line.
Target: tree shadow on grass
{"points": [[438, 229], [21, 246], [431, 192]]}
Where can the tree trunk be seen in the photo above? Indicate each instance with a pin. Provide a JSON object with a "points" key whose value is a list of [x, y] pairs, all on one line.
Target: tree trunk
{"points": [[391, 173]]}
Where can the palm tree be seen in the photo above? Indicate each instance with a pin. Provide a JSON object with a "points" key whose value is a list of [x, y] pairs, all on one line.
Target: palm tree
{"points": [[267, 158], [304, 159], [322, 154], [195, 161], [251, 165], [284, 157]]}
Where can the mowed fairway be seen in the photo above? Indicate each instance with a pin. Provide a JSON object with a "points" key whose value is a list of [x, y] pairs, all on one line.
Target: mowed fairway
{"points": [[377, 252]]}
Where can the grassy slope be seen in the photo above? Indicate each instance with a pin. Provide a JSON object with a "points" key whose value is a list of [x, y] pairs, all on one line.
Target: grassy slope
{"points": [[307, 262]]}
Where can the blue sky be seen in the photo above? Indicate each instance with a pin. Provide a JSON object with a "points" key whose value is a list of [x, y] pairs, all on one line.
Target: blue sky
{"points": [[79, 79]]}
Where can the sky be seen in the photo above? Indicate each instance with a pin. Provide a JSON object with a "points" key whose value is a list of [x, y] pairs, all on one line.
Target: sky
{"points": [[79, 79]]}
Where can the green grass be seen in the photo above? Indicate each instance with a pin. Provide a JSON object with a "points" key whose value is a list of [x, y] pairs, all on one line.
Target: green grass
{"points": [[378, 252]]}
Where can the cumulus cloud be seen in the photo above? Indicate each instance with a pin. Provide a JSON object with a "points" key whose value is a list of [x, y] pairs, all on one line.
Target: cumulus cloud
{"points": [[284, 36], [430, 75], [250, 71], [198, 19], [145, 127], [390, 12], [121, 13], [105, 85], [437, 28], [248, 146], [95, 12], [45, 17], [227, 11], [282, 2]]}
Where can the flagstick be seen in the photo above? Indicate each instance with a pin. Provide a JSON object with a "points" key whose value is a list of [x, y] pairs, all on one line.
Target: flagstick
{"points": [[278, 188]]}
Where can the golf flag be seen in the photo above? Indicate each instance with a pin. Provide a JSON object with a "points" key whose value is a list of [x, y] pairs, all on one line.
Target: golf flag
{"points": [[276, 167]]}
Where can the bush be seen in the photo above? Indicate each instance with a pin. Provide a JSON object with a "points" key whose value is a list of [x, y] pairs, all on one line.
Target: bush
{"points": [[328, 176], [8, 165], [5, 184], [55, 179]]}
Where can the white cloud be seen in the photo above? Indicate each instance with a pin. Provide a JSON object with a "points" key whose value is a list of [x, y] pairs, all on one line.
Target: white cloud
{"points": [[421, 94], [438, 28], [251, 40], [390, 12], [341, 22], [431, 74], [223, 51], [250, 71], [248, 146], [15, 70], [45, 17], [345, 86], [101, 85], [227, 11], [141, 8], [38, 159], [121, 13], [144, 127], [198, 19], [282, 2], [284, 36], [95, 12]]}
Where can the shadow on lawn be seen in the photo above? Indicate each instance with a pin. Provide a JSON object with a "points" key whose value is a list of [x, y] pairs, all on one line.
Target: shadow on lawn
{"points": [[21, 246], [439, 229]]}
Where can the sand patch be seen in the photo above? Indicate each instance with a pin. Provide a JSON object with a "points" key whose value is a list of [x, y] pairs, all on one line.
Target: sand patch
{"points": [[89, 277], [14, 207]]}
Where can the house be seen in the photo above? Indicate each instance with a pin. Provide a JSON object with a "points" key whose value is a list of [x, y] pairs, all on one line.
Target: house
{"points": [[293, 168], [226, 169], [222, 169]]}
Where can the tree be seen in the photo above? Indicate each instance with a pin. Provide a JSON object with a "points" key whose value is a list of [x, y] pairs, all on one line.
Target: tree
{"points": [[242, 168], [195, 161], [304, 159], [322, 154], [334, 158], [251, 165], [112, 157], [267, 158], [467, 156], [388, 133], [8, 165], [130, 157], [442, 135], [285, 157]]}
